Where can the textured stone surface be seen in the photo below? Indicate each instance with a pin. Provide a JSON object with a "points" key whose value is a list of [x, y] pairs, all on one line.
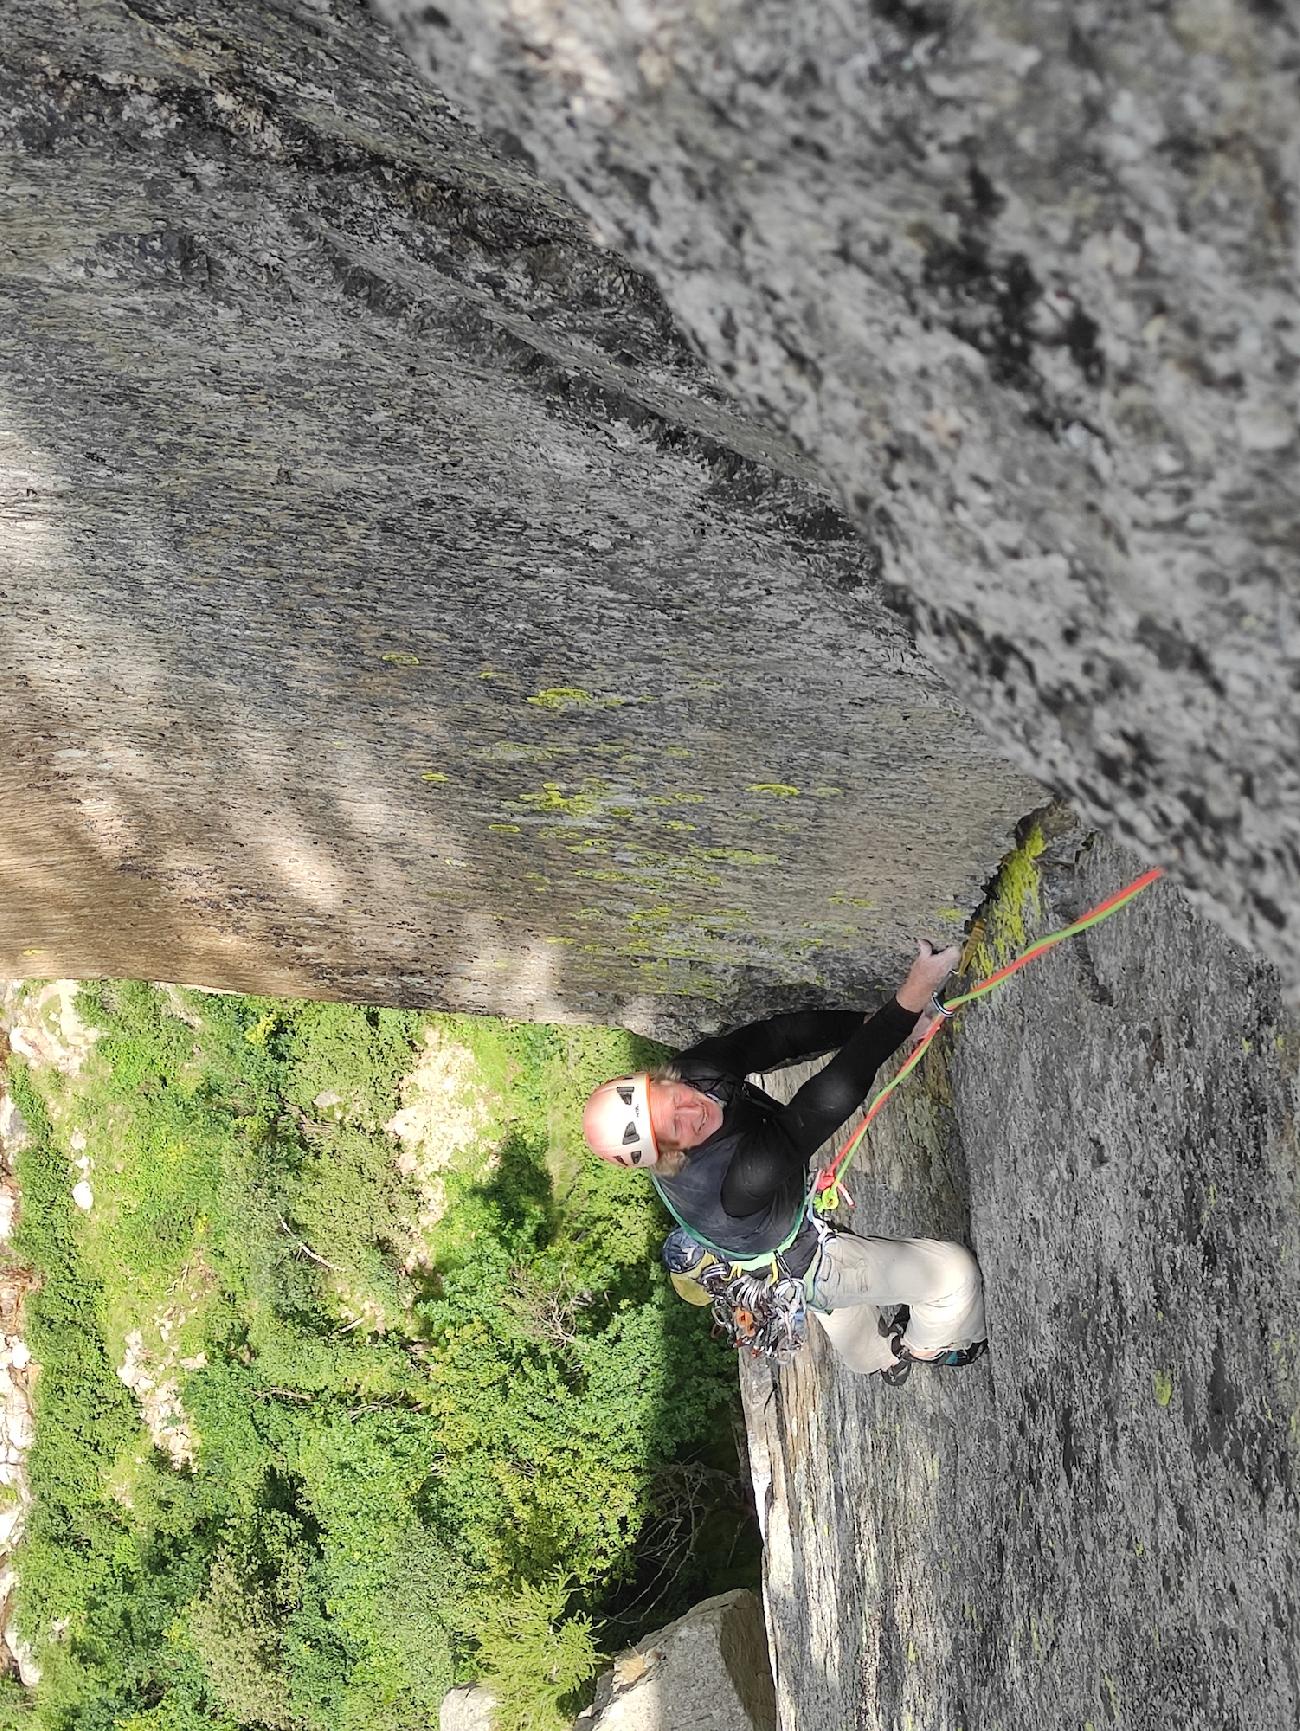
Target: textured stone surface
{"points": [[708, 1670], [1021, 278], [1096, 1524], [390, 605], [466, 1709]]}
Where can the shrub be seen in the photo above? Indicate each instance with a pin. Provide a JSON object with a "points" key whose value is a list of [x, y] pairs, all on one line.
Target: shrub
{"points": [[236, 1633], [535, 1658], [509, 1442], [17, 1709]]}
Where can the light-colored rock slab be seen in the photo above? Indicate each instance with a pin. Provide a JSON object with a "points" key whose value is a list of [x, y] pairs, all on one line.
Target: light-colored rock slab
{"points": [[709, 1671], [466, 1709]]}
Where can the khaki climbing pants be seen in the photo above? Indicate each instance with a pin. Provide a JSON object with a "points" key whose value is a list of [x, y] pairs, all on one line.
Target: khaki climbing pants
{"points": [[939, 1282]]}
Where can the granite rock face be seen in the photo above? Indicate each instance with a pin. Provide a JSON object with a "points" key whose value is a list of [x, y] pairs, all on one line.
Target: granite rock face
{"points": [[708, 1670], [466, 1709], [1021, 279], [1096, 1523], [391, 605]]}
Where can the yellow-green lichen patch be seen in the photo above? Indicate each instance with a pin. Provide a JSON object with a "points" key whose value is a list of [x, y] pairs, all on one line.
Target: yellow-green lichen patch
{"points": [[665, 949], [1162, 1386], [505, 828], [1015, 898], [671, 981], [694, 872], [738, 856], [666, 931], [675, 823], [774, 789], [584, 801], [558, 698], [433, 775], [400, 658], [584, 844], [658, 915]]}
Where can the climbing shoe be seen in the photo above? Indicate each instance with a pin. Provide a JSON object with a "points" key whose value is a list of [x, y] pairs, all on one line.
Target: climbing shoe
{"points": [[897, 1373], [960, 1355]]}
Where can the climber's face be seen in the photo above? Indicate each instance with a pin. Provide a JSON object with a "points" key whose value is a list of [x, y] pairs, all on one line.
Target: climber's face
{"points": [[682, 1117]]}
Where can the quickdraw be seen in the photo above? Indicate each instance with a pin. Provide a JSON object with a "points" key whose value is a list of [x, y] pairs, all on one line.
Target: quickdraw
{"points": [[827, 1189], [762, 1311]]}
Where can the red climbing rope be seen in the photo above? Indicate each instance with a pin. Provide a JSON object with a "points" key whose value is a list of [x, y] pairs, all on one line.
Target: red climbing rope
{"points": [[826, 1185]]}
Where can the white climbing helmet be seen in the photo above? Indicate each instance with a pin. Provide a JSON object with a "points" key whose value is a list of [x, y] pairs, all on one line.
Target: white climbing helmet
{"points": [[616, 1122]]}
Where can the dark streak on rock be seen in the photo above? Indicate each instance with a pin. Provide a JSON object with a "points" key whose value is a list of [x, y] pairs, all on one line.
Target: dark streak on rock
{"points": [[990, 301], [912, 19], [985, 197]]}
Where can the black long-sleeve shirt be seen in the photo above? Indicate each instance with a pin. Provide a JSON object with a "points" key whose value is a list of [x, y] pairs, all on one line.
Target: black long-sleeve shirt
{"points": [[776, 1147]]}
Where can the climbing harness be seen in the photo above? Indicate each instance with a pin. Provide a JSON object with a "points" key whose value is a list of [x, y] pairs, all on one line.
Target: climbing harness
{"points": [[759, 1307], [827, 1185]]}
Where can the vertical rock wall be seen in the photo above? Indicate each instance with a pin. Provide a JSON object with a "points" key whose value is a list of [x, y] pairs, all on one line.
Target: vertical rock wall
{"points": [[1021, 279], [390, 605]]}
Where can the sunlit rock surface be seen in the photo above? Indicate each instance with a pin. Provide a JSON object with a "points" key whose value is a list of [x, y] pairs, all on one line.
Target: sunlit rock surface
{"points": [[1021, 279], [391, 605], [708, 1669]]}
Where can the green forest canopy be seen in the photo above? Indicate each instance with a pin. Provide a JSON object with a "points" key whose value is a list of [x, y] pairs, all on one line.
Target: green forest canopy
{"points": [[425, 1448]]}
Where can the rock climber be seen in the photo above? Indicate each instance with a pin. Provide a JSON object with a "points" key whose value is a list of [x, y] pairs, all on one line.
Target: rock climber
{"points": [[731, 1163]]}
